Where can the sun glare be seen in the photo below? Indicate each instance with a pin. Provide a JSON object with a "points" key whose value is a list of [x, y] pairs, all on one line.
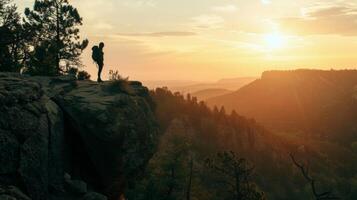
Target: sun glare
{"points": [[266, 1], [274, 41]]}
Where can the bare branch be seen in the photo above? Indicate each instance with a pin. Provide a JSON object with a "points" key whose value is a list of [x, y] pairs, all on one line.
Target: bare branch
{"points": [[305, 172]]}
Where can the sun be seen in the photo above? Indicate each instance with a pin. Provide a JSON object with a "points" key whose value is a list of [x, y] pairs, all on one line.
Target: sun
{"points": [[274, 41], [266, 1]]}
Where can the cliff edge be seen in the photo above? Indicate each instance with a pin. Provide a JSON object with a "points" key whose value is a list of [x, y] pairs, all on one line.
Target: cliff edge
{"points": [[66, 139]]}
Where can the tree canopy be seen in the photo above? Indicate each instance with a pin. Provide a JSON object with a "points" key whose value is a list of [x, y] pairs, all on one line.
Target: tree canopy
{"points": [[46, 41]]}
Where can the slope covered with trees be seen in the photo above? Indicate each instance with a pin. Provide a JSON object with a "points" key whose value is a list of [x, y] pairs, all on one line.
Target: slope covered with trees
{"points": [[191, 147], [193, 135]]}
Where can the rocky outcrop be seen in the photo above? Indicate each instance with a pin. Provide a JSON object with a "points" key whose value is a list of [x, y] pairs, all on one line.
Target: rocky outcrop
{"points": [[12, 193], [100, 135]]}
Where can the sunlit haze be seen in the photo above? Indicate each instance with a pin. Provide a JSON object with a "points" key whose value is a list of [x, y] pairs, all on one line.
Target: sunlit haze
{"points": [[206, 40]]}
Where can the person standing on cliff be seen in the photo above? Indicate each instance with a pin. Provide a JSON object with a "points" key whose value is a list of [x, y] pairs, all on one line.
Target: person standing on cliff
{"points": [[98, 57]]}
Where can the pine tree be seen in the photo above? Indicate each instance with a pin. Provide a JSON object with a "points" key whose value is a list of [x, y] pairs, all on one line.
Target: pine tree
{"points": [[57, 36], [222, 111], [215, 111], [13, 37], [235, 175]]}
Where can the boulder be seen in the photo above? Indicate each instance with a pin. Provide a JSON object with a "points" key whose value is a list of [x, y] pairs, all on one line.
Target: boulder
{"points": [[118, 130], [6, 197], [12, 193], [76, 186]]}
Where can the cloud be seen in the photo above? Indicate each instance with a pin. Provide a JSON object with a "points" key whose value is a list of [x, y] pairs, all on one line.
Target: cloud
{"points": [[225, 8], [208, 21], [140, 3], [328, 19], [103, 26], [159, 34], [132, 48]]}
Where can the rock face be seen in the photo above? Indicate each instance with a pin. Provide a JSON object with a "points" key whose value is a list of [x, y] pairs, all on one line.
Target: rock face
{"points": [[101, 134], [12, 193]]}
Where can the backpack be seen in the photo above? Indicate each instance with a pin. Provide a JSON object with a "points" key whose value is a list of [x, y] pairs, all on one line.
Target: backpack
{"points": [[95, 54]]}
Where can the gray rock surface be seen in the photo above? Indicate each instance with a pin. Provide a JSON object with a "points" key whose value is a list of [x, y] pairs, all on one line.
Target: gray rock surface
{"points": [[6, 197], [113, 124], [12, 193], [25, 133], [118, 129], [9, 152], [94, 196], [76, 186]]}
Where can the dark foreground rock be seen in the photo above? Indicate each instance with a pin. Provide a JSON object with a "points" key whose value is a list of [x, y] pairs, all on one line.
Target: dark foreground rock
{"points": [[67, 139]]}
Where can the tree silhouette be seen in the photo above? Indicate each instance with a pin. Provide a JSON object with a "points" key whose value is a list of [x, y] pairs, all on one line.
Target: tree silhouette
{"points": [[305, 172], [13, 37], [189, 184], [57, 38], [237, 174], [222, 111]]}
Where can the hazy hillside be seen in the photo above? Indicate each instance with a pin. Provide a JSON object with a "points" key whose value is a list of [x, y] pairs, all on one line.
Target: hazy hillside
{"points": [[210, 93], [152, 84], [228, 84], [312, 101], [185, 87]]}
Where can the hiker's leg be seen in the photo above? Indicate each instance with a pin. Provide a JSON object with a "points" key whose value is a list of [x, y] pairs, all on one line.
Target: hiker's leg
{"points": [[100, 68], [98, 76]]}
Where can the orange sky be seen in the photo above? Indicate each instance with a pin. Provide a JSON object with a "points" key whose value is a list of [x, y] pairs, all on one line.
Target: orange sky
{"points": [[206, 40]]}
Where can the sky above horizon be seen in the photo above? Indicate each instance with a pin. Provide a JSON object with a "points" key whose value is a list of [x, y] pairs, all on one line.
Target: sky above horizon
{"points": [[206, 40]]}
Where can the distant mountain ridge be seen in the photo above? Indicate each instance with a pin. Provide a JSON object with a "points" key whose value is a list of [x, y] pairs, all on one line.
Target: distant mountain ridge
{"points": [[227, 84], [311, 100], [210, 93], [153, 84], [185, 87]]}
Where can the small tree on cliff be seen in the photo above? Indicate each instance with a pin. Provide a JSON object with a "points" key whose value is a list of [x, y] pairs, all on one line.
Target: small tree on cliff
{"points": [[57, 42]]}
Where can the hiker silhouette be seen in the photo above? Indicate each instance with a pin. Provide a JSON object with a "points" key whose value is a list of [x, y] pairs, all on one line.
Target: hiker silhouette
{"points": [[98, 57]]}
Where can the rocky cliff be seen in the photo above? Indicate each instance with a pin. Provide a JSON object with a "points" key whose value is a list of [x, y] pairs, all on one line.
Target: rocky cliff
{"points": [[67, 139]]}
